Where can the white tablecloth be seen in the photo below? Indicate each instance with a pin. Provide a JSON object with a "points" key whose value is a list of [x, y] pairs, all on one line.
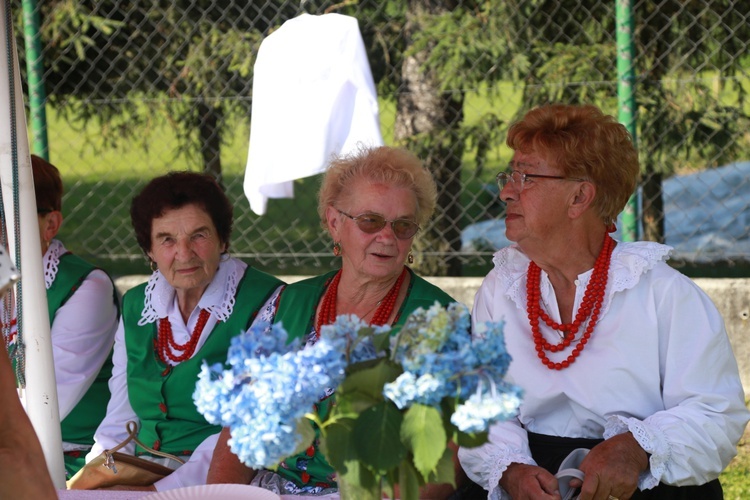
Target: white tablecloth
{"points": [[100, 495], [129, 495]]}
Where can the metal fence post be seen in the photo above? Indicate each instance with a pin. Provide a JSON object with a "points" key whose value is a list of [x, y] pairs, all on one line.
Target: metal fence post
{"points": [[35, 77], [626, 100]]}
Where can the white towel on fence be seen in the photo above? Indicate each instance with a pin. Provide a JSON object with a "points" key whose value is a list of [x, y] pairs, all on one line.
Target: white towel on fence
{"points": [[313, 97]]}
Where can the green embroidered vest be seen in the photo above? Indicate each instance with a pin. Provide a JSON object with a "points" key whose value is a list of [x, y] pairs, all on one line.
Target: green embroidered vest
{"points": [[163, 398], [296, 312], [81, 423], [300, 300]]}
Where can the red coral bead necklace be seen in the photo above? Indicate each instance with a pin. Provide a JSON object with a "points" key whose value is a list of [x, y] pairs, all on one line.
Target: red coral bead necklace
{"points": [[327, 313], [589, 309], [165, 342]]}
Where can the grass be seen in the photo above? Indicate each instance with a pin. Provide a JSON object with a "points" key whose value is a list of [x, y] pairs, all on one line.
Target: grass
{"points": [[101, 179], [736, 478]]}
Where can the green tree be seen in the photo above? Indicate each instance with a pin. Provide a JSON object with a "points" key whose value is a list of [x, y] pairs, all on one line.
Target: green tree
{"points": [[685, 57], [191, 61], [442, 49]]}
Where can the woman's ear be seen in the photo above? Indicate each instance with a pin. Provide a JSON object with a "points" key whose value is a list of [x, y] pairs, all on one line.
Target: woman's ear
{"points": [[51, 225], [583, 199], [333, 220]]}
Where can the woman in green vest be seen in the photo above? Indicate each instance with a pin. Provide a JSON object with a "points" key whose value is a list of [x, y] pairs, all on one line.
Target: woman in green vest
{"points": [[196, 300], [372, 203], [83, 314]]}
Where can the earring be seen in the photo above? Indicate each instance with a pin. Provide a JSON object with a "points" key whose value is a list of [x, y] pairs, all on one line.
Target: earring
{"points": [[153, 265], [410, 258], [336, 249]]}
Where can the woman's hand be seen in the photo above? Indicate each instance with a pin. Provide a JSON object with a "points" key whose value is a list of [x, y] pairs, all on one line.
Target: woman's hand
{"points": [[612, 469], [532, 482]]}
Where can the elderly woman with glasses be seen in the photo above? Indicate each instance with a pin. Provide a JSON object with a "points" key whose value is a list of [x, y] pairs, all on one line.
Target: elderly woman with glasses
{"points": [[372, 203], [617, 352]]}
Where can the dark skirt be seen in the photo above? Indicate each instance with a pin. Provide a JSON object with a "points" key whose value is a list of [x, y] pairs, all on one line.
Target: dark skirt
{"points": [[550, 451]]}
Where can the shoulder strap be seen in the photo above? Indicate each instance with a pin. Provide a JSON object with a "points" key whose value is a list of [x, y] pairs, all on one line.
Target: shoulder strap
{"points": [[132, 428]]}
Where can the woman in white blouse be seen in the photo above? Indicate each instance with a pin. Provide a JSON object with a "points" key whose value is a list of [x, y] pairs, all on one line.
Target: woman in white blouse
{"points": [[615, 350], [83, 315], [196, 300]]}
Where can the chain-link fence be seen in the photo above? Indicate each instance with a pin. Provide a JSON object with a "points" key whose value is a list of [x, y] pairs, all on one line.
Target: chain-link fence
{"points": [[136, 88]]}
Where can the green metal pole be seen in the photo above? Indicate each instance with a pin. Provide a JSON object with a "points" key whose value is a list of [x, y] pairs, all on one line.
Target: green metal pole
{"points": [[35, 76], [626, 99]]}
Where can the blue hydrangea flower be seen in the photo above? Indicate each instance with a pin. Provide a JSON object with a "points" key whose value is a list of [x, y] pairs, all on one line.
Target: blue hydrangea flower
{"points": [[478, 412], [266, 391], [267, 385], [441, 358]]}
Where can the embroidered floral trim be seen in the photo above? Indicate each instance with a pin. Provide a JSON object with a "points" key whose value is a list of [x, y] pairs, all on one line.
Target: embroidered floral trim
{"points": [[51, 261], [633, 260], [630, 261], [511, 265], [651, 439], [218, 299], [223, 287], [268, 311], [498, 463]]}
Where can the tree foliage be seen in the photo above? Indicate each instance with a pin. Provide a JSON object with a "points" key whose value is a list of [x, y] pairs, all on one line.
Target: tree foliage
{"points": [[191, 62], [105, 58]]}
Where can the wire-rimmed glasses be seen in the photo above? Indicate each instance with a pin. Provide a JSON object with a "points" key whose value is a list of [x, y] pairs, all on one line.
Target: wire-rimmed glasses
{"points": [[518, 179]]}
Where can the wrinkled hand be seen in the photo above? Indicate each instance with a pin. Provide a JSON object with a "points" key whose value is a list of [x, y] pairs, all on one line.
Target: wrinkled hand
{"points": [[612, 469], [523, 481]]}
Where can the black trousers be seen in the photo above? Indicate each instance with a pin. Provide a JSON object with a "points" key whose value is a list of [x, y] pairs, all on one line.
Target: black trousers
{"points": [[550, 451]]}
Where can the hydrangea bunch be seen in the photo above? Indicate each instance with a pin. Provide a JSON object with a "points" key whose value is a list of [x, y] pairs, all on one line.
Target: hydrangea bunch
{"points": [[441, 359], [268, 388], [399, 399]]}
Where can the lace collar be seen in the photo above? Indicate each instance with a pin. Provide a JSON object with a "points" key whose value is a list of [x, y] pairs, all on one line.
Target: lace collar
{"points": [[629, 262], [218, 299], [51, 261]]}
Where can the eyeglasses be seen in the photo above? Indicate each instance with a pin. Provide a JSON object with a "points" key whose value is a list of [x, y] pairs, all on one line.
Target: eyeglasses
{"points": [[372, 223], [519, 179]]}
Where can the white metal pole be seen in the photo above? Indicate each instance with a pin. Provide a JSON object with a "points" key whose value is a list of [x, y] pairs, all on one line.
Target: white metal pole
{"points": [[41, 389]]}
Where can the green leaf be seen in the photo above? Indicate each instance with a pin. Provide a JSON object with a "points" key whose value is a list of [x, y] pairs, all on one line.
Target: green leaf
{"points": [[471, 440], [352, 404], [376, 437], [337, 445], [423, 433], [363, 386], [382, 341], [445, 473], [408, 481], [369, 381], [359, 483], [365, 332], [307, 432]]}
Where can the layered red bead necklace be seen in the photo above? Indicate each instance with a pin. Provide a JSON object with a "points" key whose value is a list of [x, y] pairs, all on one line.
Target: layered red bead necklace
{"points": [[589, 309], [385, 309], [165, 341]]}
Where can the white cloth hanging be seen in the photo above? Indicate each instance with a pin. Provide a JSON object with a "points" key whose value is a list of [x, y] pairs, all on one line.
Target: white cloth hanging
{"points": [[313, 97]]}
